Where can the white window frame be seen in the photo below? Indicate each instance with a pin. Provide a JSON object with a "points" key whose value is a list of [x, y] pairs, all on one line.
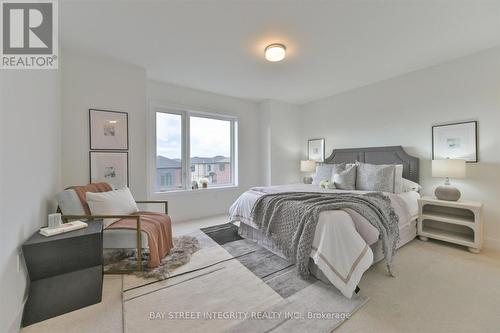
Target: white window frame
{"points": [[185, 112]]}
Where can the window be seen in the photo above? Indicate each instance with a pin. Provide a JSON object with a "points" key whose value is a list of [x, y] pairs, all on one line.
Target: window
{"points": [[191, 146], [168, 151]]}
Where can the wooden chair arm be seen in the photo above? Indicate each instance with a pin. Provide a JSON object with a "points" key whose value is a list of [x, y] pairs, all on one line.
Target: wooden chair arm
{"points": [[93, 217], [155, 202]]}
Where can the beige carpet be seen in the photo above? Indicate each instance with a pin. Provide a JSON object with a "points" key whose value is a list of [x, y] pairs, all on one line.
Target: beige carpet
{"points": [[225, 287], [439, 288]]}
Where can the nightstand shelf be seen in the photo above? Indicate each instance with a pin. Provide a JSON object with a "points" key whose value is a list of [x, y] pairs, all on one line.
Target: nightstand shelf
{"points": [[457, 222], [443, 217]]}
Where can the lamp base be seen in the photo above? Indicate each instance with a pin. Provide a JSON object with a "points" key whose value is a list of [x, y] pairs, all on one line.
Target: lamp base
{"points": [[447, 193], [308, 180]]}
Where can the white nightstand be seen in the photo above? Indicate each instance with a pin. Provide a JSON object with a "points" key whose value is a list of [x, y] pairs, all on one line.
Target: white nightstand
{"points": [[459, 222]]}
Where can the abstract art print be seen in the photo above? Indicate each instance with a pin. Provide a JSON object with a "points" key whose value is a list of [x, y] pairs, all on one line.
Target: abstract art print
{"points": [[108, 130], [455, 141], [109, 167], [316, 150]]}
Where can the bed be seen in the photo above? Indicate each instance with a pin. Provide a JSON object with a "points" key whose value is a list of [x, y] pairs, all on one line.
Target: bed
{"points": [[345, 244]]}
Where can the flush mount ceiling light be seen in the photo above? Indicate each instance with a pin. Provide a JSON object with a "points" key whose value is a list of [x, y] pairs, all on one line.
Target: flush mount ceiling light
{"points": [[275, 52]]}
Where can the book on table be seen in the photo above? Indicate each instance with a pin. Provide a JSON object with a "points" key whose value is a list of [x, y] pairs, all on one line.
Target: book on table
{"points": [[65, 227]]}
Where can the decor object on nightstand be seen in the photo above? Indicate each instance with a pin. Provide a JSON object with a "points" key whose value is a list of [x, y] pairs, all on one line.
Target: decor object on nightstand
{"points": [[307, 166], [65, 272], [455, 222], [55, 220], [455, 141], [64, 227], [316, 150], [448, 169]]}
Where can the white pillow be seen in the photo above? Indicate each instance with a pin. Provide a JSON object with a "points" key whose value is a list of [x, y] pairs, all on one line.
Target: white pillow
{"points": [[323, 172], [118, 202], [408, 186]]}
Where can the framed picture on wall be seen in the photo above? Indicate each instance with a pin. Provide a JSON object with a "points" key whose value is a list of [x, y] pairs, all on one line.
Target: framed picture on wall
{"points": [[316, 150], [455, 141], [110, 167], [108, 130]]}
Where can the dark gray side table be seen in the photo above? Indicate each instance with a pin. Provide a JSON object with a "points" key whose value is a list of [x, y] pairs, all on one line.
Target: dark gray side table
{"points": [[65, 271]]}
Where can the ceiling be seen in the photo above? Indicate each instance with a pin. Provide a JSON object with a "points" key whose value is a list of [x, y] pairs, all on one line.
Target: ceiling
{"points": [[332, 46]]}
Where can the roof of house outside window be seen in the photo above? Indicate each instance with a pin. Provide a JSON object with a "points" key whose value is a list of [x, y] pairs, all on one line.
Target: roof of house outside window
{"points": [[163, 162]]}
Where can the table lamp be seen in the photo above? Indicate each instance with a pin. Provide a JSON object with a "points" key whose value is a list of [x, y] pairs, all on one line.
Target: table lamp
{"points": [[448, 168], [307, 166]]}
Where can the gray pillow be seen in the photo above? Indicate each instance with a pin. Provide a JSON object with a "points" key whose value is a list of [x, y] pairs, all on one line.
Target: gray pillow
{"points": [[345, 179], [371, 177], [323, 172], [69, 203]]}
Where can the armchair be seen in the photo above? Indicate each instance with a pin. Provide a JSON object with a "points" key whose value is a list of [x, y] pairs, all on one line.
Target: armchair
{"points": [[140, 218]]}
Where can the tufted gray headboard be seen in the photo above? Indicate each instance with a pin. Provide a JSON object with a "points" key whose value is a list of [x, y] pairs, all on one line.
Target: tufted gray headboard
{"points": [[378, 155]]}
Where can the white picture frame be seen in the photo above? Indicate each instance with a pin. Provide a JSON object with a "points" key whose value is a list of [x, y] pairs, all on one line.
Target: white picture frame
{"points": [[108, 130], [316, 150], [110, 167], [455, 141]]}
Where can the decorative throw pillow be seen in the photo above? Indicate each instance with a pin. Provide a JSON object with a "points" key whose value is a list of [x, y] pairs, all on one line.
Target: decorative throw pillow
{"points": [[69, 203], [345, 179], [323, 172], [372, 177], [118, 202]]}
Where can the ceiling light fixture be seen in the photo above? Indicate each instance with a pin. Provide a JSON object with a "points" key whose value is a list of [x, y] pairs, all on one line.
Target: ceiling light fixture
{"points": [[275, 52]]}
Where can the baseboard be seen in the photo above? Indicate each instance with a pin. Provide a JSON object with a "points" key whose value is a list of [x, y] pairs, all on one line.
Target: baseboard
{"points": [[492, 243]]}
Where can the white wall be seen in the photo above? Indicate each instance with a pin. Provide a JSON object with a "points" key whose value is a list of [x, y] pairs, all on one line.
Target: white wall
{"points": [[401, 111], [90, 81], [201, 203], [30, 150], [96, 82], [281, 142]]}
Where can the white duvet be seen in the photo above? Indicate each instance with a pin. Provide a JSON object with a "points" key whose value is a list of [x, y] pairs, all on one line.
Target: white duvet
{"points": [[341, 246]]}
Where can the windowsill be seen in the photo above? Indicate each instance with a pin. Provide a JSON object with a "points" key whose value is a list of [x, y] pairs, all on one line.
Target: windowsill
{"points": [[200, 190]]}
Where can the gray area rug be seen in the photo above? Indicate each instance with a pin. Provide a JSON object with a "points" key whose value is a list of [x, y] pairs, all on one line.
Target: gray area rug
{"points": [[233, 285], [275, 271], [321, 303]]}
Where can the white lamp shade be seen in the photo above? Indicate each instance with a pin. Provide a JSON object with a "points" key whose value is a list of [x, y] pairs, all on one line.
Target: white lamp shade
{"points": [[448, 168], [307, 166]]}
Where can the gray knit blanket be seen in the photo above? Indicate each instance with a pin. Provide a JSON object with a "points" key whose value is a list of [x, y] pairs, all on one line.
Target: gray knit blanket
{"points": [[290, 220]]}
